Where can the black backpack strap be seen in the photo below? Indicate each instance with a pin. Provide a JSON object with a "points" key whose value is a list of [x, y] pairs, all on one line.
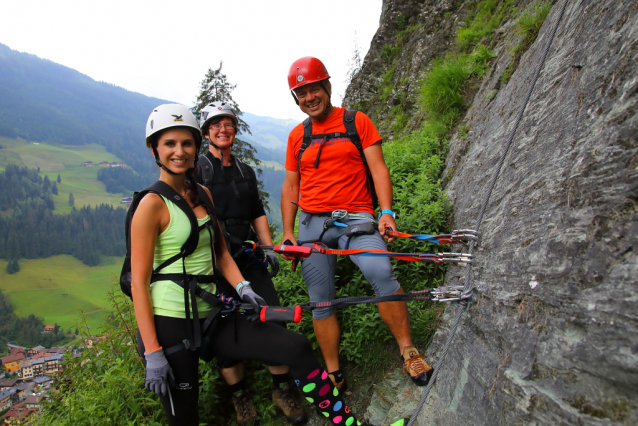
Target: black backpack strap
{"points": [[351, 132], [190, 245], [307, 139], [207, 170]]}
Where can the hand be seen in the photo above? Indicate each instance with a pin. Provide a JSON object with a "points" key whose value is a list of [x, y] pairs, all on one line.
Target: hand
{"points": [[271, 257], [289, 239], [249, 296], [158, 372], [387, 221]]}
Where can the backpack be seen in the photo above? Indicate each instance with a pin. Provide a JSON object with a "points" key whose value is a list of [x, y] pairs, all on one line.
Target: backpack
{"points": [[351, 133], [187, 281]]}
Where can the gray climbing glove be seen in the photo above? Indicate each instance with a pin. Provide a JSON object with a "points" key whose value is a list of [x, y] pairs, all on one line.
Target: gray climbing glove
{"points": [[247, 294], [272, 258], [158, 372]]}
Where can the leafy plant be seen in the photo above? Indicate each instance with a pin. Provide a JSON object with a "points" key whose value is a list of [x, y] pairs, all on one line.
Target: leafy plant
{"points": [[533, 17], [529, 24], [487, 17]]}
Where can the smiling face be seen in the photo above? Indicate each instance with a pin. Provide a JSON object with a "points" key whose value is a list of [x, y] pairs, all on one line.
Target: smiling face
{"points": [[223, 136], [314, 101], [176, 149]]}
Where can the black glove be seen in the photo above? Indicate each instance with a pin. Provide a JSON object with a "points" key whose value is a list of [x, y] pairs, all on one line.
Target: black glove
{"points": [[247, 294], [158, 372], [272, 258]]}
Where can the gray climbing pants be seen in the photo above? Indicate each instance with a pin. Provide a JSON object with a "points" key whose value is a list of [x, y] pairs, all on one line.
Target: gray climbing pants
{"points": [[319, 269]]}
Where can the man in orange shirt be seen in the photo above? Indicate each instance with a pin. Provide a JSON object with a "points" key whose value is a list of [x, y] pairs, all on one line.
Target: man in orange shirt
{"points": [[332, 174]]}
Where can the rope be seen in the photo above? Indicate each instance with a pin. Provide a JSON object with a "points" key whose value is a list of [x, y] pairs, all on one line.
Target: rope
{"points": [[467, 288]]}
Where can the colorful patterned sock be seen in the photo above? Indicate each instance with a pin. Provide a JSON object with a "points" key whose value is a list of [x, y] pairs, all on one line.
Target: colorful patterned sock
{"points": [[318, 389]]}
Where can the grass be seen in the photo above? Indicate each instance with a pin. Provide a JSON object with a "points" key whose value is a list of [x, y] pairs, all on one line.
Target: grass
{"points": [[58, 287], [63, 160], [486, 18], [528, 25]]}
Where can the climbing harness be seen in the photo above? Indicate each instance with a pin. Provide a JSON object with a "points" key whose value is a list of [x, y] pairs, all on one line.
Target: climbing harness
{"points": [[188, 282], [467, 287]]}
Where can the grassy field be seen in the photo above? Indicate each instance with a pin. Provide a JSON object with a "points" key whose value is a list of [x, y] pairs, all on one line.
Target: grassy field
{"points": [[59, 287], [272, 164], [64, 160]]}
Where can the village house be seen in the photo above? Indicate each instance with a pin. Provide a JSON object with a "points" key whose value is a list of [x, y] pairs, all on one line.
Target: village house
{"points": [[14, 350], [12, 362], [7, 383], [88, 163], [49, 328], [33, 401], [19, 416], [39, 366], [5, 399]]}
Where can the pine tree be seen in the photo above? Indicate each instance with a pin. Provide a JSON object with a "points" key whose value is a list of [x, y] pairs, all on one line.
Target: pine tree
{"points": [[59, 180], [13, 266], [354, 63], [216, 88], [71, 199], [47, 182], [54, 189]]}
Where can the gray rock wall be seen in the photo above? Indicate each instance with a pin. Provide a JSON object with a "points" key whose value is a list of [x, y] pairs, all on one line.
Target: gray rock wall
{"points": [[553, 338]]}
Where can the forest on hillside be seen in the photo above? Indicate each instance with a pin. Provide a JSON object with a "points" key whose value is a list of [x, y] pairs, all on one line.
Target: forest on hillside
{"points": [[31, 230], [24, 331]]}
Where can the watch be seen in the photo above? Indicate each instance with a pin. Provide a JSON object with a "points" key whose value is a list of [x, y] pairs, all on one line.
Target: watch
{"points": [[387, 211]]}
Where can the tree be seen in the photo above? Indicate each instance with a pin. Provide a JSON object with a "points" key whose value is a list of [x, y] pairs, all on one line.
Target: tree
{"points": [[54, 189], [71, 199], [216, 88], [354, 63], [13, 266], [59, 178]]}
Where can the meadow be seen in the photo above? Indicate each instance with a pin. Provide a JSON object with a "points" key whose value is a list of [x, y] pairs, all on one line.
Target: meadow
{"points": [[58, 288], [66, 161]]}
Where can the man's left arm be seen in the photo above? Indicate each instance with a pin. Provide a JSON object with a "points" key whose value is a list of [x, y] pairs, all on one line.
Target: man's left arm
{"points": [[382, 184]]}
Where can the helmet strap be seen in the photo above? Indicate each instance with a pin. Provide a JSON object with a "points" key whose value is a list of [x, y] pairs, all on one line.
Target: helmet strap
{"points": [[325, 89], [161, 166]]}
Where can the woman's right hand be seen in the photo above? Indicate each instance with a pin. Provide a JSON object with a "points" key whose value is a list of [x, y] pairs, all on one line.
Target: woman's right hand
{"points": [[159, 374]]}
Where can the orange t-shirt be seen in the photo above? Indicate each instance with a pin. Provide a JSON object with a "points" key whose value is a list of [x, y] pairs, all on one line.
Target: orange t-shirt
{"points": [[339, 181]]}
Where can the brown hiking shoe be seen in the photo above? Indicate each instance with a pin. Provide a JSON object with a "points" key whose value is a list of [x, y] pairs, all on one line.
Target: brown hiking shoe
{"points": [[341, 386], [245, 409], [414, 364], [286, 402]]}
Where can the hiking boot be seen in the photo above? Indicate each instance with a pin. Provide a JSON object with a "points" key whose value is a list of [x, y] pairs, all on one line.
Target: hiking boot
{"points": [[341, 386], [286, 402], [245, 409], [414, 364]]}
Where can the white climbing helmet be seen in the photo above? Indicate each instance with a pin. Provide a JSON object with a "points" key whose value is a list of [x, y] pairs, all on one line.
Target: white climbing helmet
{"points": [[216, 109], [171, 115]]}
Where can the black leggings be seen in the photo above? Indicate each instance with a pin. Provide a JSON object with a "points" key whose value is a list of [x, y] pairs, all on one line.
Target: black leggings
{"points": [[234, 337]]}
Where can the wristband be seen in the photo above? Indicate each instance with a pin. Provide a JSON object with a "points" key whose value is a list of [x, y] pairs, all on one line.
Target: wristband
{"points": [[387, 211], [240, 285]]}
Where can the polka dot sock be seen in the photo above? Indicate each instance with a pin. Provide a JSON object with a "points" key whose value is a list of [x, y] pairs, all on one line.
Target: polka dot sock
{"points": [[318, 389]]}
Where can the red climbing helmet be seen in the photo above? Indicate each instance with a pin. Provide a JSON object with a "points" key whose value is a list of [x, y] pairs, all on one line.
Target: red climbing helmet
{"points": [[305, 71]]}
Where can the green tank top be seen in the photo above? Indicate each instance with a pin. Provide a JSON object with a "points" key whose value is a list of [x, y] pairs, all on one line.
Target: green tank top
{"points": [[168, 297]]}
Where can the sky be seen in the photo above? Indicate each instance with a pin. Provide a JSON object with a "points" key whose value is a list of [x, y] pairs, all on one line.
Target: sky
{"points": [[164, 48]]}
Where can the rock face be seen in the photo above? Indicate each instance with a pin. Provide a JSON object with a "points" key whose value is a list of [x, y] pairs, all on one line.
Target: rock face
{"points": [[553, 337]]}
